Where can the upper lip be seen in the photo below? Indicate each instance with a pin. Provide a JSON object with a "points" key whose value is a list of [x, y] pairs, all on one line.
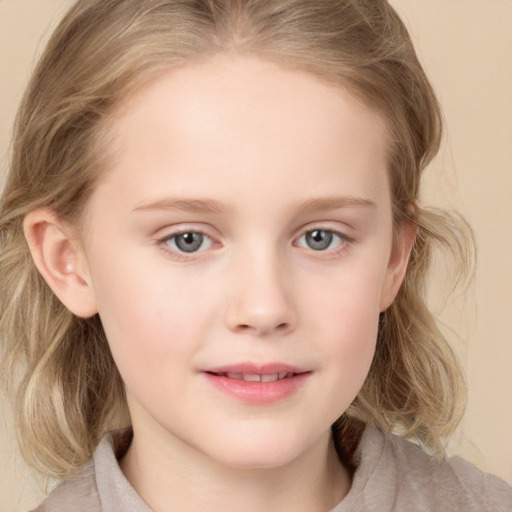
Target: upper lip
{"points": [[249, 368]]}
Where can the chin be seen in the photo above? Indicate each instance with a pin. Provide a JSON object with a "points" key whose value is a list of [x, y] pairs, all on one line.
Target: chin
{"points": [[259, 452], [262, 460]]}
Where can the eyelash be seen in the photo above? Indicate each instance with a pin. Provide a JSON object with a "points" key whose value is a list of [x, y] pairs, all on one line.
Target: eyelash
{"points": [[344, 241], [163, 242]]}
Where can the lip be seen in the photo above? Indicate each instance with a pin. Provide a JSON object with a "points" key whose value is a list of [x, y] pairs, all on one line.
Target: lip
{"points": [[257, 392], [258, 369]]}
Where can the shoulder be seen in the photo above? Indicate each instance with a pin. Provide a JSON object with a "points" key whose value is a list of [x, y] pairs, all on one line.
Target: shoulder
{"points": [[96, 483], [452, 483], [396, 475], [100, 486], [79, 494]]}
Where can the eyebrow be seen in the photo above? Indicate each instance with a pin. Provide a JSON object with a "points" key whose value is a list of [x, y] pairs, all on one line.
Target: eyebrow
{"points": [[185, 205], [216, 207], [333, 203]]}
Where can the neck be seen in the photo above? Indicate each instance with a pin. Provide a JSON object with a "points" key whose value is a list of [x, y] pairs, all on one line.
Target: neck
{"points": [[175, 476]]}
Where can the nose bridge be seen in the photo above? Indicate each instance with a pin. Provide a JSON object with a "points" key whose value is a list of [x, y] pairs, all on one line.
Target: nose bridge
{"points": [[259, 292]]}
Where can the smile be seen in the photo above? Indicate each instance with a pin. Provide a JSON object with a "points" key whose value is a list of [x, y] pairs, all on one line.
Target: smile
{"points": [[248, 377], [255, 385]]}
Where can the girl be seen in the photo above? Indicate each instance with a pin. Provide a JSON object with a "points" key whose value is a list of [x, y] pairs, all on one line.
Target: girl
{"points": [[211, 223]]}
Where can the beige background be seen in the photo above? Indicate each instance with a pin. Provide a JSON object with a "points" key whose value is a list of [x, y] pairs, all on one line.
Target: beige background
{"points": [[466, 47]]}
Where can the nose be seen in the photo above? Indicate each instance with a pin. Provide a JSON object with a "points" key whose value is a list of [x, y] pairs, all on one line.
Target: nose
{"points": [[260, 298]]}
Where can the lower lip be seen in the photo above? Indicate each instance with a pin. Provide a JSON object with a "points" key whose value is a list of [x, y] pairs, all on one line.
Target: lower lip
{"points": [[258, 392]]}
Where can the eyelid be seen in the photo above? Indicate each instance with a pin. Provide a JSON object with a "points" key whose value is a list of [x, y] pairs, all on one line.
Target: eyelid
{"points": [[341, 236], [162, 241], [340, 229], [345, 239], [171, 230], [203, 238]]}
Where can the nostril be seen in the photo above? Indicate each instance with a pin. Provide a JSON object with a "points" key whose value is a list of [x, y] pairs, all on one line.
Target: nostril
{"points": [[282, 327]]}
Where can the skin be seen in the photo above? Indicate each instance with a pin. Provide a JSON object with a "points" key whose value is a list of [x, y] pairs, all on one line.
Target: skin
{"points": [[262, 155]]}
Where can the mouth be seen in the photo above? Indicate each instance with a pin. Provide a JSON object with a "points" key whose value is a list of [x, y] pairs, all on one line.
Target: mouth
{"points": [[254, 384], [255, 377]]}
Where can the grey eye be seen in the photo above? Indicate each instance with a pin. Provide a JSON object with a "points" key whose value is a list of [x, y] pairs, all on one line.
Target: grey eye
{"points": [[189, 242], [320, 240]]}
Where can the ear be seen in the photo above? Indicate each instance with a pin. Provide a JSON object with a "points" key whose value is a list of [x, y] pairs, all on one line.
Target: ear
{"points": [[398, 261], [59, 259]]}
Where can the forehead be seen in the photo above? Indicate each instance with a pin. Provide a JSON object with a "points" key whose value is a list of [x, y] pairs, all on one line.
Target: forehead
{"points": [[246, 122]]}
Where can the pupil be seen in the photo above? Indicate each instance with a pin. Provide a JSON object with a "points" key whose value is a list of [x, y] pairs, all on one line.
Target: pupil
{"points": [[189, 242], [319, 240]]}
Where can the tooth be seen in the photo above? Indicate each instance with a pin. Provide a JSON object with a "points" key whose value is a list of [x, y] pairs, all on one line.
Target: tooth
{"points": [[269, 378], [237, 376], [251, 378], [282, 375]]}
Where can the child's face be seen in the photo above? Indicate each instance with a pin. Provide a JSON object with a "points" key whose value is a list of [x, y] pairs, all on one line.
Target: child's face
{"points": [[244, 227]]}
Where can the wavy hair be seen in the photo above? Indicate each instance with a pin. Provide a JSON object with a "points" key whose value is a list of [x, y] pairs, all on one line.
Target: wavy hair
{"points": [[67, 389]]}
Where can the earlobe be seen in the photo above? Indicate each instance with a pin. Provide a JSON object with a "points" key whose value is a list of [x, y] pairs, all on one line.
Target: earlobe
{"points": [[398, 262], [58, 258]]}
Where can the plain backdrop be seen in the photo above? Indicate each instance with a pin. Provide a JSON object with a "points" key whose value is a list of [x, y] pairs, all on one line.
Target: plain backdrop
{"points": [[466, 48]]}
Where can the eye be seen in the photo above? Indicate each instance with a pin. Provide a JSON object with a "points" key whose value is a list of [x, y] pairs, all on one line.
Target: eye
{"points": [[191, 241], [320, 240]]}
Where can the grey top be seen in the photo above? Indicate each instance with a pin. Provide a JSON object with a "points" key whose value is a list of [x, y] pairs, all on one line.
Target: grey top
{"points": [[392, 474]]}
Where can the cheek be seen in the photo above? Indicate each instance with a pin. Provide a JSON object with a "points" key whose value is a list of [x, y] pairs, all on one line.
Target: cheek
{"points": [[347, 299], [352, 336], [150, 318], [345, 324]]}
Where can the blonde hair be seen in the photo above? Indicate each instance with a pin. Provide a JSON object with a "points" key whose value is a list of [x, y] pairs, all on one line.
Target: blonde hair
{"points": [[69, 391]]}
